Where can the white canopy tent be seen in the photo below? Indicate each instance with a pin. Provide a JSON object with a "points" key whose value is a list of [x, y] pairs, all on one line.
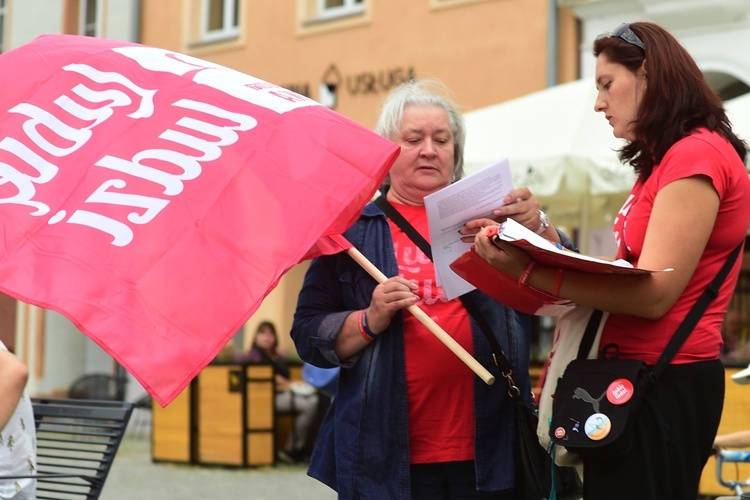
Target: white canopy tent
{"points": [[561, 149], [738, 112]]}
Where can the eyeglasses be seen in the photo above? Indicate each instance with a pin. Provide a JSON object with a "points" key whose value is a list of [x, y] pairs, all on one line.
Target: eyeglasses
{"points": [[623, 31]]}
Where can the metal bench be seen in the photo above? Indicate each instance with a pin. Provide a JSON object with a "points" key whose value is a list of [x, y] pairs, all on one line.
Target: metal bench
{"points": [[76, 444], [102, 386]]}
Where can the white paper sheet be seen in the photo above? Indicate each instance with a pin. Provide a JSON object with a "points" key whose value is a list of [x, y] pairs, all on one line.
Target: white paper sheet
{"points": [[473, 197], [549, 254]]}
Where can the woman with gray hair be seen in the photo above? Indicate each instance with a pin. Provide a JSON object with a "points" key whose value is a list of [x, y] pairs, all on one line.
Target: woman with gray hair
{"points": [[409, 419], [424, 93]]}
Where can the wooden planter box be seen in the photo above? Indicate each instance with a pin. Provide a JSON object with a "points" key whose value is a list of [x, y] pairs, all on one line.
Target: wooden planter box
{"points": [[224, 417]]}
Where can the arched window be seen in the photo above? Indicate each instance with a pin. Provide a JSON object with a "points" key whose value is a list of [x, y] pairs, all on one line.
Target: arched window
{"points": [[726, 85]]}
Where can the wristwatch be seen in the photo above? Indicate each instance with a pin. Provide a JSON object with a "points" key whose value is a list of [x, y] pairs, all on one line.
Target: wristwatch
{"points": [[543, 223]]}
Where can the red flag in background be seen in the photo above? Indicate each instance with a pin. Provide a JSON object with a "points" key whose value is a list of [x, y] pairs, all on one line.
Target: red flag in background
{"points": [[155, 199]]}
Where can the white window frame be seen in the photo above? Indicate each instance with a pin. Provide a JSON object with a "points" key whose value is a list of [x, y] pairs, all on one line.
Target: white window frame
{"points": [[228, 30], [83, 27], [350, 7]]}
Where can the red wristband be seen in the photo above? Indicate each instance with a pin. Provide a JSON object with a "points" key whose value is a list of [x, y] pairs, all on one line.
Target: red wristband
{"points": [[526, 273], [558, 282]]}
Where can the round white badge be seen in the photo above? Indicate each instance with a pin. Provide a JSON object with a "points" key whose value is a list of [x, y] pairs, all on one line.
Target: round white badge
{"points": [[597, 426]]}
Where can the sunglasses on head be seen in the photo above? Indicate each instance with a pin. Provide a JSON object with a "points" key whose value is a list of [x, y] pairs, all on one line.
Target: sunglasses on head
{"points": [[624, 32]]}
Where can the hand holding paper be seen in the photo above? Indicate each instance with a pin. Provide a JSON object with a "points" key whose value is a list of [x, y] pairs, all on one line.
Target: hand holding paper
{"points": [[504, 288], [546, 253], [473, 197]]}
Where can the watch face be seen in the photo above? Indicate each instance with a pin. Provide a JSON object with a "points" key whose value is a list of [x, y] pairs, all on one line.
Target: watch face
{"points": [[543, 222]]}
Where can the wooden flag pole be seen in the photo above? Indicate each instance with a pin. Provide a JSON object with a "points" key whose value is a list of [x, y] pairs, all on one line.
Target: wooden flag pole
{"points": [[436, 329]]}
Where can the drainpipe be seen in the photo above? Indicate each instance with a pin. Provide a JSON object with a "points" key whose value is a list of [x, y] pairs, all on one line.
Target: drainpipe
{"points": [[135, 12], [552, 43]]}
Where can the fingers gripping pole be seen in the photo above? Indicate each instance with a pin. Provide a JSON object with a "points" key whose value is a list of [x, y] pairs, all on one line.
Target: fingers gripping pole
{"points": [[436, 329]]}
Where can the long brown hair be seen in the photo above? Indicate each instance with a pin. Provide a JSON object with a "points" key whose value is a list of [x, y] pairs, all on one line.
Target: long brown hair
{"points": [[677, 99]]}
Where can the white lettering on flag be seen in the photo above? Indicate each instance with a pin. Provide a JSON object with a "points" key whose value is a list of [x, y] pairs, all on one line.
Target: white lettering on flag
{"points": [[146, 107], [214, 129], [229, 81], [24, 183]]}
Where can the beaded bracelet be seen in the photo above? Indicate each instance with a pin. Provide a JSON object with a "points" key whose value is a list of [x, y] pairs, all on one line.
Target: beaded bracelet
{"points": [[364, 330], [558, 282], [526, 273]]}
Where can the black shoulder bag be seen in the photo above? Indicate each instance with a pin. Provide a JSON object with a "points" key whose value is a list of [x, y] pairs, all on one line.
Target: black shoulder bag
{"points": [[535, 471], [596, 401]]}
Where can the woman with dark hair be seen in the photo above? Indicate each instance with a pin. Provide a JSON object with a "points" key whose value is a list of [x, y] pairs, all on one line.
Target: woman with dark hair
{"points": [[297, 397], [688, 209]]}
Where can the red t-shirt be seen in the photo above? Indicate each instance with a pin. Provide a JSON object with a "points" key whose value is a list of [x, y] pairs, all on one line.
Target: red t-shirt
{"points": [[440, 389], [702, 153]]}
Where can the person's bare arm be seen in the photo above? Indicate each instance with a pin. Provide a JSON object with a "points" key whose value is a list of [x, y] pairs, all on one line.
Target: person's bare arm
{"points": [[13, 376], [681, 222], [522, 207], [739, 439]]}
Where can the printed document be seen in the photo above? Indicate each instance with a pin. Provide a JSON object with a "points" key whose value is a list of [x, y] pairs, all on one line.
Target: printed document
{"points": [[473, 197]]}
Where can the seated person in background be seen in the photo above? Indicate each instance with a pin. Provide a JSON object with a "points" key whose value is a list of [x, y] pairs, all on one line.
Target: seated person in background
{"points": [[734, 335], [291, 396], [17, 430], [739, 439]]}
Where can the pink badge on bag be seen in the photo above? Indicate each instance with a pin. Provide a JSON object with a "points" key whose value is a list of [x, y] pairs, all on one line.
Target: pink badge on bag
{"points": [[620, 391]]}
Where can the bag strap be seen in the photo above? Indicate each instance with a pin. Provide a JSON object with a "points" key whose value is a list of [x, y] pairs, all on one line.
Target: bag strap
{"points": [[589, 334], [404, 224], [692, 317], [682, 333], [497, 351]]}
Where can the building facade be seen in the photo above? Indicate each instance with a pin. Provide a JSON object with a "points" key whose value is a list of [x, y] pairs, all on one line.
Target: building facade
{"points": [[346, 54], [709, 29]]}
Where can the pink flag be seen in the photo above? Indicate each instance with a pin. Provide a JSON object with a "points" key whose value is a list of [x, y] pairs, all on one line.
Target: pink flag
{"points": [[155, 199], [329, 245]]}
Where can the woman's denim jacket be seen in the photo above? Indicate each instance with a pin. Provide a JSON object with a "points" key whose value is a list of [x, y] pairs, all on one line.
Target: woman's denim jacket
{"points": [[362, 449]]}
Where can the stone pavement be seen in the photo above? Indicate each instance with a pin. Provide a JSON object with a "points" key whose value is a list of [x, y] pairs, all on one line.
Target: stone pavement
{"points": [[134, 477]]}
